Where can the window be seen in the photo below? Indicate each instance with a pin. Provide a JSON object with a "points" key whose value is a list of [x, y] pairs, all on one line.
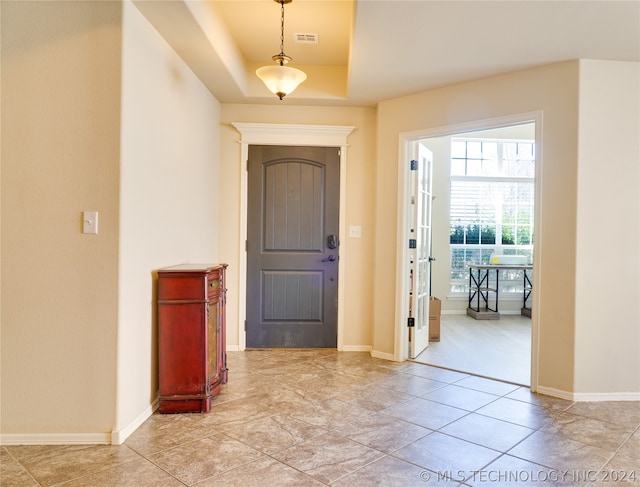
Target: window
{"points": [[491, 210]]}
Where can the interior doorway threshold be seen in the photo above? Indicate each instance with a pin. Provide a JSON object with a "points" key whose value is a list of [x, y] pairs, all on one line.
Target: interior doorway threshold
{"points": [[470, 373]]}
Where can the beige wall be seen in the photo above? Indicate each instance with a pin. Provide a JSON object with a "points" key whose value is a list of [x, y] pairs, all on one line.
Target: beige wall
{"points": [[358, 278], [60, 156], [168, 195], [608, 229], [552, 89], [104, 116], [588, 192]]}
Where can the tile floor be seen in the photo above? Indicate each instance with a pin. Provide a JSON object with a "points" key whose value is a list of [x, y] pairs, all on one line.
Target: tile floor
{"points": [[313, 418]]}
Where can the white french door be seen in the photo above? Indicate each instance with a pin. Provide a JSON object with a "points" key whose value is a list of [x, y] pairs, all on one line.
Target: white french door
{"points": [[419, 247]]}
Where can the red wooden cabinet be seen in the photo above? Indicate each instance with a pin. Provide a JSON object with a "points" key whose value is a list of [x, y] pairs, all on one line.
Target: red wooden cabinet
{"points": [[191, 336]]}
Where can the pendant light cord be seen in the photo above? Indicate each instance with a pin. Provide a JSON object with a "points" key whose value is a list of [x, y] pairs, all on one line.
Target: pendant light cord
{"points": [[282, 33]]}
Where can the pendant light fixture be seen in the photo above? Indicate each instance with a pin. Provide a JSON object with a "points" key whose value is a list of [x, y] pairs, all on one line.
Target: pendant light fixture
{"points": [[280, 79]]}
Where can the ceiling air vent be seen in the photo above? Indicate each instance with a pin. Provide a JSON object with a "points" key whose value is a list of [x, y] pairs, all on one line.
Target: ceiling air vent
{"points": [[305, 38]]}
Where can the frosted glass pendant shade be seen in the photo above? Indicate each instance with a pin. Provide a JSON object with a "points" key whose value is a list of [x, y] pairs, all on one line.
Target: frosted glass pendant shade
{"points": [[281, 80]]}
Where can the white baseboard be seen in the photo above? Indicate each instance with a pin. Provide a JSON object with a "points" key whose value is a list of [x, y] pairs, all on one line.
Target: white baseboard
{"points": [[116, 437], [382, 355], [56, 439], [119, 436], [589, 396], [355, 348], [233, 348], [606, 396], [551, 391]]}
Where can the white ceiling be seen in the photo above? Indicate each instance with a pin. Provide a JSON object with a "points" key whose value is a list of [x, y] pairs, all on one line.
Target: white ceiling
{"points": [[374, 50]]}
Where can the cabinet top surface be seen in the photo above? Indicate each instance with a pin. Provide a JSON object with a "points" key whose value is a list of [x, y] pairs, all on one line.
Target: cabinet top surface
{"points": [[191, 267]]}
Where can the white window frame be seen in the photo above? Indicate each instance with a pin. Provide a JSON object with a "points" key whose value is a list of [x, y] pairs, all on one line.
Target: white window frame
{"points": [[511, 284]]}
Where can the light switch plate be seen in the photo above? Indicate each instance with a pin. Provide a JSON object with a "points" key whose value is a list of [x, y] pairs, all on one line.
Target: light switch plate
{"points": [[355, 231], [90, 222]]}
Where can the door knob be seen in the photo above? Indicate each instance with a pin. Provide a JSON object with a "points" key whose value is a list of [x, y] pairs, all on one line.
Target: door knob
{"points": [[329, 258]]}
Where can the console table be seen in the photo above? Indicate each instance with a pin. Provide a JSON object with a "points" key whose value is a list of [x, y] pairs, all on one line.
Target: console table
{"points": [[483, 292], [191, 336]]}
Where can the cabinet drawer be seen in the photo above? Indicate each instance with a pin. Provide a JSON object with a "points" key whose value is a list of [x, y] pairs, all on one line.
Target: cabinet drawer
{"points": [[181, 287]]}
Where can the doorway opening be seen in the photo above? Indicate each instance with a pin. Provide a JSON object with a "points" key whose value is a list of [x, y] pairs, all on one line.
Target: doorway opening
{"points": [[485, 204]]}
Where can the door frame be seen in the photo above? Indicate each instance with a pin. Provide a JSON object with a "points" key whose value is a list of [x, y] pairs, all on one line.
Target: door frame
{"points": [[405, 139], [300, 135]]}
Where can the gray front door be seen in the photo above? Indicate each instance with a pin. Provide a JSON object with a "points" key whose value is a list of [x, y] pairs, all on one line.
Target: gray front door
{"points": [[292, 247]]}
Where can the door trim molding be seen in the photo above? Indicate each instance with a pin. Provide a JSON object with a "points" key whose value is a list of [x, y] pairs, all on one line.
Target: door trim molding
{"points": [[289, 134]]}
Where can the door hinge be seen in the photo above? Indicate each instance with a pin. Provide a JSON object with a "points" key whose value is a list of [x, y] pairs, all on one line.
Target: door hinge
{"points": [[339, 152], [414, 165], [245, 325], [246, 167], [413, 243], [246, 246], [411, 322]]}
